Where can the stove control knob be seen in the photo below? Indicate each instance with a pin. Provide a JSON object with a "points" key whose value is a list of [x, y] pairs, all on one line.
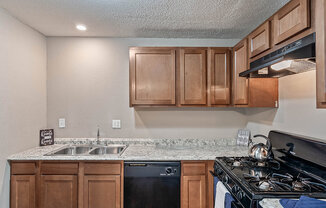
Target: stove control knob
{"points": [[218, 171], [240, 195], [226, 179], [235, 189]]}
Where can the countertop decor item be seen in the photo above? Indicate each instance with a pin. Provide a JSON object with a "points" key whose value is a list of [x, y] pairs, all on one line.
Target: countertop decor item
{"points": [[243, 137], [46, 137]]}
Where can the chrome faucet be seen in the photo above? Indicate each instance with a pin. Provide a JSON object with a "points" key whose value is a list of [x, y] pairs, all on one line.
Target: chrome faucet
{"points": [[98, 135]]}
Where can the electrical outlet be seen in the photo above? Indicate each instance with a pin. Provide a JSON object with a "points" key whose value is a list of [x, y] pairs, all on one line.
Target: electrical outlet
{"points": [[62, 123], [116, 124]]}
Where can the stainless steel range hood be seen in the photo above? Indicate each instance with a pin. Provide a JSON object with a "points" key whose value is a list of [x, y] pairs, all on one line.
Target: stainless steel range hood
{"points": [[294, 58]]}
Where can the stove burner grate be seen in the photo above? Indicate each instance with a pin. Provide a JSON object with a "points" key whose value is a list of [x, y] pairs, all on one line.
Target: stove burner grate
{"points": [[234, 162], [280, 182]]}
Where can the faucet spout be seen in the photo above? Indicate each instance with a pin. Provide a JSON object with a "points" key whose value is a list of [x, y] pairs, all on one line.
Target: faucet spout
{"points": [[98, 135]]}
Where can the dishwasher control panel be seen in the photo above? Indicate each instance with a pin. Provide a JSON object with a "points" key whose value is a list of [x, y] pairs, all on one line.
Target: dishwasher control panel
{"points": [[153, 169], [169, 171]]}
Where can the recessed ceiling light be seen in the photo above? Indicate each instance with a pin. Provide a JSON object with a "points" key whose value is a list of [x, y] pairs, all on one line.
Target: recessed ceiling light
{"points": [[81, 27]]}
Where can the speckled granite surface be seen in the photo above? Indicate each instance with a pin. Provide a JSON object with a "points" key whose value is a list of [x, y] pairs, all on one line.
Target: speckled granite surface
{"points": [[144, 149], [144, 141]]}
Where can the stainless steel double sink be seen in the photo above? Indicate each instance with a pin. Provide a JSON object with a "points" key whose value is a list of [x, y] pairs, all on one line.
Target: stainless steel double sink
{"points": [[88, 150]]}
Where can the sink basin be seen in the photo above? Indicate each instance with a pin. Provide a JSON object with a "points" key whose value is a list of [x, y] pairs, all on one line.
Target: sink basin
{"points": [[73, 150], [84, 150], [116, 149]]}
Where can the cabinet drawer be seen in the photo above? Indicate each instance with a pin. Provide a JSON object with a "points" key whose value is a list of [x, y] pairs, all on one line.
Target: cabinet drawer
{"points": [[102, 168], [23, 168], [194, 168], [59, 168]]}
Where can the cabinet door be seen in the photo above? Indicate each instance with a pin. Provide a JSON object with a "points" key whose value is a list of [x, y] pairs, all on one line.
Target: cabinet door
{"points": [[193, 191], [220, 76], [22, 191], [102, 191], [263, 92], [291, 19], [58, 191], [259, 40], [240, 64], [193, 76], [152, 76]]}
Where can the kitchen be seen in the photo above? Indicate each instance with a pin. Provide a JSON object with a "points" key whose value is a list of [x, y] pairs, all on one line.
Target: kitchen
{"points": [[80, 83]]}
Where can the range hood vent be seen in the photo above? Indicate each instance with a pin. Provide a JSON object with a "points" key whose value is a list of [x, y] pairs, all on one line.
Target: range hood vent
{"points": [[294, 58]]}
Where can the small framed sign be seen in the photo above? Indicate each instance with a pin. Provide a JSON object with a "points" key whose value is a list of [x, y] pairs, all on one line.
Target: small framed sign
{"points": [[46, 137]]}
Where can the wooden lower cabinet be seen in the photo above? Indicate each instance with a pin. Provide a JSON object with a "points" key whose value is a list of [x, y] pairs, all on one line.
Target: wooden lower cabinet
{"points": [[56, 184], [58, 191], [194, 191], [196, 184], [102, 191], [22, 191]]}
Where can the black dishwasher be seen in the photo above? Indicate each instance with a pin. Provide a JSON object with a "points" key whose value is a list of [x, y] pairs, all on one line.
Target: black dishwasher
{"points": [[152, 185]]}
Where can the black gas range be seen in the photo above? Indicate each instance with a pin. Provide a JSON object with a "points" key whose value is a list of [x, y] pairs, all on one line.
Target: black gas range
{"points": [[298, 167]]}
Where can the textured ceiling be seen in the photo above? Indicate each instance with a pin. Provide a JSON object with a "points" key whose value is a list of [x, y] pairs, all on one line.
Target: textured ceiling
{"points": [[144, 18]]}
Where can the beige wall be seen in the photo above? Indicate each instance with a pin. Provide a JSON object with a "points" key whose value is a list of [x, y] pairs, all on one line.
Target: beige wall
{"points": [[22, 92], [297, 112], [88, 84]]}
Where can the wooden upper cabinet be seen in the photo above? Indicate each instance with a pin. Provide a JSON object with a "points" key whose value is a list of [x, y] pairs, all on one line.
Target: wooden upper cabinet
{"points": [[263, 92], [259, 40], [320, 22], [58, 191], [291, 19], [152, 76], [102, 191], [22, 191], [193, 73], [220, 76], [240, 64]]}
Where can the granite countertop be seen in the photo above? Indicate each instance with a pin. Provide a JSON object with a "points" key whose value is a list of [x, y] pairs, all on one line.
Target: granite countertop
{"points": [[144, 149]]}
